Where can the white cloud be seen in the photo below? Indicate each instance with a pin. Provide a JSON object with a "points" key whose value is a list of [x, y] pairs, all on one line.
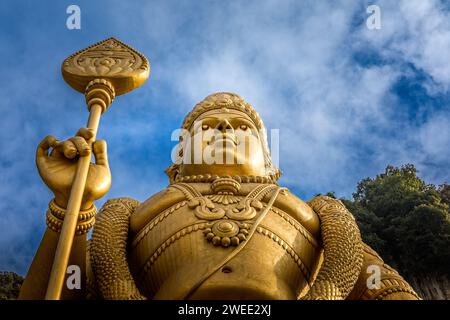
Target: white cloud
{"points": [[417, 32]]}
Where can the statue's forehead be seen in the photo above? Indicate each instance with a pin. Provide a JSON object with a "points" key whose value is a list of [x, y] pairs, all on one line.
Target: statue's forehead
{"points": [[224, 113]]}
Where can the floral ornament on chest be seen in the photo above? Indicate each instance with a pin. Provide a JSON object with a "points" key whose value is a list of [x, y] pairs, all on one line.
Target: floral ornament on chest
{"points": [[230, 216]]}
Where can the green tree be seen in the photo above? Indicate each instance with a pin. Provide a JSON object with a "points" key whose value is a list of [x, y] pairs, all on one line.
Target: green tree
{"points": [[10, 283], [444, 191], [405, 220]]}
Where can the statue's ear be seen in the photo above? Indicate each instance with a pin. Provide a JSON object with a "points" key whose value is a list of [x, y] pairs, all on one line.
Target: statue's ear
{"points": [[172, 171]]}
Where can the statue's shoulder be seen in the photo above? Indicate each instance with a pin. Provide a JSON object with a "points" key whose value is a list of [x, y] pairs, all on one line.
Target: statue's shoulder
{"points": [[299, 210], [151, 207]]}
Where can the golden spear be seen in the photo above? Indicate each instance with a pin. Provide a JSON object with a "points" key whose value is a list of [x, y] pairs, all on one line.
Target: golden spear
{"points": [[102, 71]]}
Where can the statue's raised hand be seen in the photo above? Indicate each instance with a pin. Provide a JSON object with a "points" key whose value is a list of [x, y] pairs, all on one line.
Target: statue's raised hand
{"points": [[57, 168]]}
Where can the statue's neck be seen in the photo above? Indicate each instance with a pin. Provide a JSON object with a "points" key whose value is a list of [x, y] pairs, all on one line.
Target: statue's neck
{"points": [[208, 178]]}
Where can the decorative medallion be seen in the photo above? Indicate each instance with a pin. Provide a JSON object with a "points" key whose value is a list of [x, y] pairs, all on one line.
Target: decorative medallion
{"points": [[226, 232]]}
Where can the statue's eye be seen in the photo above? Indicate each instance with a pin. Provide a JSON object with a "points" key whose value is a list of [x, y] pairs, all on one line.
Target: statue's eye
{"points": [[205, 127], [243, 127]]}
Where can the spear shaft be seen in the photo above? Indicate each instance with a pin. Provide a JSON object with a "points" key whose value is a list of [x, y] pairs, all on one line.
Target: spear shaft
{"points": [[101, 71], [67, 235]]}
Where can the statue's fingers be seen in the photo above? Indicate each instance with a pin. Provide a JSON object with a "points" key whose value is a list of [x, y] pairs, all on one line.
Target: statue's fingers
{"points": [[43, 150], [43, 147], [100, 152], [81, 145], [86, 133], [67, 148]]}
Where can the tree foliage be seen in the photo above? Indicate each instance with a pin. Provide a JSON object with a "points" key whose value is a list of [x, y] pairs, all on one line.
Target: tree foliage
{"points": [[405, 220], [10, 283]]}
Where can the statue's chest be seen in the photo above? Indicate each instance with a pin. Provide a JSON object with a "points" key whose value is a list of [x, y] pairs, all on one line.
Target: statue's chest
{"points": [[186, 240]]}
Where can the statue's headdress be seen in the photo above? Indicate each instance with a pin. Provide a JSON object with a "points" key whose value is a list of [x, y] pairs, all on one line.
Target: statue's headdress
{"points": [[222, 100], [227, 101]]}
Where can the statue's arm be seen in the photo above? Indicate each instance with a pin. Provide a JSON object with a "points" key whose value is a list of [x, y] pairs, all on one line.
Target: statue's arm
{"points": [[35, 285], [109, 271], [391, 286], [350, 266], [342, 251], [57, 163]]}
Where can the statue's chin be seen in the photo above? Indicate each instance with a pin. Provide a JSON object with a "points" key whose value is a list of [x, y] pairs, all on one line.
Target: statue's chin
{"points": [[221, 170], [226, 161]]}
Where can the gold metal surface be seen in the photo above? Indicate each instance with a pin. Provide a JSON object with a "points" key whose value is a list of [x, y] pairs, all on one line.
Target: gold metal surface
{"points": [[101, 71], [110, 59], [218, 231]]}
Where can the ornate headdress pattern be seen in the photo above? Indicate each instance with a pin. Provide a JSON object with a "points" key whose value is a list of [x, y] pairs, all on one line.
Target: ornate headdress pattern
{"points": [[228, 101]]}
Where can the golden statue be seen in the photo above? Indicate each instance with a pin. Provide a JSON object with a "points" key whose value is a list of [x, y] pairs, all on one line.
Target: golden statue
{"points": [[222, 229]]}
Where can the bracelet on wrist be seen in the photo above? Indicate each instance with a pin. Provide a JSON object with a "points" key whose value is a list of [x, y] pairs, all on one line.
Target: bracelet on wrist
{"points": [[56, 214]]}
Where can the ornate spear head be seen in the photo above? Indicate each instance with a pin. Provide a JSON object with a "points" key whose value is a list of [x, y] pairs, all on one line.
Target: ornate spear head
{"points": [[101, 71], [111, 60]]}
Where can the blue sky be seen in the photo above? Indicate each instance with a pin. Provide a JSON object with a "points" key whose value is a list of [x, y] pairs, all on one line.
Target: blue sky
{"points": [[347, 100]]}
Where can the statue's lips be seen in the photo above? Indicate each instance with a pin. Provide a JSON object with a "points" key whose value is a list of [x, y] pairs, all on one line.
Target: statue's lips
{"points": [[225, 141]]}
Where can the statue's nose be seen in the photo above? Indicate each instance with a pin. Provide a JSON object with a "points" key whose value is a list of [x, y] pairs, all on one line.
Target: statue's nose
{"points": [[224, 126]]}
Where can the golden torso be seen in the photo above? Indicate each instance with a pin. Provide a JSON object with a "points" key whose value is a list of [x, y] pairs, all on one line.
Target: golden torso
{"points": [[188, 229]]}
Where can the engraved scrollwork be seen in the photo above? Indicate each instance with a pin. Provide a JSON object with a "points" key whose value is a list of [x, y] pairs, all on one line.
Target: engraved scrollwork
{"points": [[224, 198], [205, 209], [245, 210], [108, 58], [227, 226]]}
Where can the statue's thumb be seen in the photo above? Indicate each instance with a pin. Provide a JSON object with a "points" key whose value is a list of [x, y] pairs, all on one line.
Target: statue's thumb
{"points": [[100, 152]]}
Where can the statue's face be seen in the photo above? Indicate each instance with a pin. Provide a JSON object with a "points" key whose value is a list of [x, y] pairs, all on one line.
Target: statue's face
{"points": [[223, 143]]}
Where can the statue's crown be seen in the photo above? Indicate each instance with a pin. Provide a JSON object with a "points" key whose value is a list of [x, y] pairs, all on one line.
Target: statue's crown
{"points": [[222, 100]]}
